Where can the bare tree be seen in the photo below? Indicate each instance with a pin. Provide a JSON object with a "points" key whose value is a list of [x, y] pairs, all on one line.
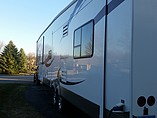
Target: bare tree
{"points": [[31, 60], [1, 45], [89, 47]]}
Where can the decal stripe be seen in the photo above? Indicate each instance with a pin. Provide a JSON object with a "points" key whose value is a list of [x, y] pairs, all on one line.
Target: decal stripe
{"points": [[76, 7], [111, 6], [71, 83], [100, 15], [48, 64]]}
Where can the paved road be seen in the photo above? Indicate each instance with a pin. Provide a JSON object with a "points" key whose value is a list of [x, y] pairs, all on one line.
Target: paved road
{"points": [[16, 79]]}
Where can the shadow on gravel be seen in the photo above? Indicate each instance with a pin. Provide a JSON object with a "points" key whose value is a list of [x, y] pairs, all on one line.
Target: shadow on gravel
{"points": [[40, 97]]}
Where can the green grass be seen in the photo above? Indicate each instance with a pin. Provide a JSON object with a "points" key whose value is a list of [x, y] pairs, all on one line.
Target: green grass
{"points": [[13, 104]]}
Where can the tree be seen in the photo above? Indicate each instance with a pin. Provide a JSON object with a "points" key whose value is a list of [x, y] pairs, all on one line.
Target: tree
{"points": [[88, 48], [31, 61], [9, 59], [22, 65], [1, 45]]}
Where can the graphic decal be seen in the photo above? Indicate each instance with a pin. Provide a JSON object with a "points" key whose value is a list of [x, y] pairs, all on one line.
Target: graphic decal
{"points": [[70, 83], [61, 77], [111, 6], [47, 61], [78, 6]]}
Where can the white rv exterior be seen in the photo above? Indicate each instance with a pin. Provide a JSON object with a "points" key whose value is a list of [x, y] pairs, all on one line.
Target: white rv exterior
{"points": [[98, 53]]}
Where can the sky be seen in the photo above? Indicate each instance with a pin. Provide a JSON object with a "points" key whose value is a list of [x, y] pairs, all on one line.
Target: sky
{"points": [[22, 21]]}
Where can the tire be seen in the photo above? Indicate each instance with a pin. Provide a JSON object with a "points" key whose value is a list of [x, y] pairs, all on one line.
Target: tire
{"points": [[57, 101], [37, 82], [34, 79]]}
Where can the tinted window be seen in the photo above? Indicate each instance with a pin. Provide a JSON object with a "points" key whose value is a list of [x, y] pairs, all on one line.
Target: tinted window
{"points": [[78, 37], [39, 50], [83, 41]]}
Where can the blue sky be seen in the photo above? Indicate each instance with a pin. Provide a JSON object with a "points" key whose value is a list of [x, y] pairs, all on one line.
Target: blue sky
{"points": [[22, 21]]}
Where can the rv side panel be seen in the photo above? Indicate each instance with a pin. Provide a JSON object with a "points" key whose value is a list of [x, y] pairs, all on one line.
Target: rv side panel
{"points": [[86, 68], [144, 57], [118, 57]]}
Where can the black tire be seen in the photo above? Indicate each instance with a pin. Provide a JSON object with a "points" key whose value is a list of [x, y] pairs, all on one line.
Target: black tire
{"points": [[34, 79], [57, 101], [37, 82]]}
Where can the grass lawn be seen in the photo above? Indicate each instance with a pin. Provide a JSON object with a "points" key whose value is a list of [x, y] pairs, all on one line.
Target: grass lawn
{"points": [[13, 104]]}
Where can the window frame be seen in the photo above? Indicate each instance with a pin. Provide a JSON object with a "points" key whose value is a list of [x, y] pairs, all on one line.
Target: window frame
{"points": [[80, 45], [40, 41]]}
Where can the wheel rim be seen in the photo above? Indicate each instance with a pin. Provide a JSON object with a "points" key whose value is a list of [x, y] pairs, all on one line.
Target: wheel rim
{"points": [[60, 104]]}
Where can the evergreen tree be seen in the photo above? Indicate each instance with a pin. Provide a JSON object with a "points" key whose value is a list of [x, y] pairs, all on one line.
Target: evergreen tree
{"points": [[22, 61], [9, 59]]}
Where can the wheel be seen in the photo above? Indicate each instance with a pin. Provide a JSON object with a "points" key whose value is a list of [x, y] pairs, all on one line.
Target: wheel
{"points": [[37, 82], [34, 79], [53, 95], [57, 101]]}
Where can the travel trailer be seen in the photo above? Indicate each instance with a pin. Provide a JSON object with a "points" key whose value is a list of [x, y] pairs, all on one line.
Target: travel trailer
{"points": [[100, 55]]}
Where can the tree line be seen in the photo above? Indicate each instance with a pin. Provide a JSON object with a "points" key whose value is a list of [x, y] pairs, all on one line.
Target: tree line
{"points": [[13, 61]]}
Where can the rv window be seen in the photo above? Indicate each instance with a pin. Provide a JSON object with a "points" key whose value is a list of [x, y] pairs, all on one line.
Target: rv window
{"points": [[77, 53], [39, 50], [78, 37], [83, 41]]}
